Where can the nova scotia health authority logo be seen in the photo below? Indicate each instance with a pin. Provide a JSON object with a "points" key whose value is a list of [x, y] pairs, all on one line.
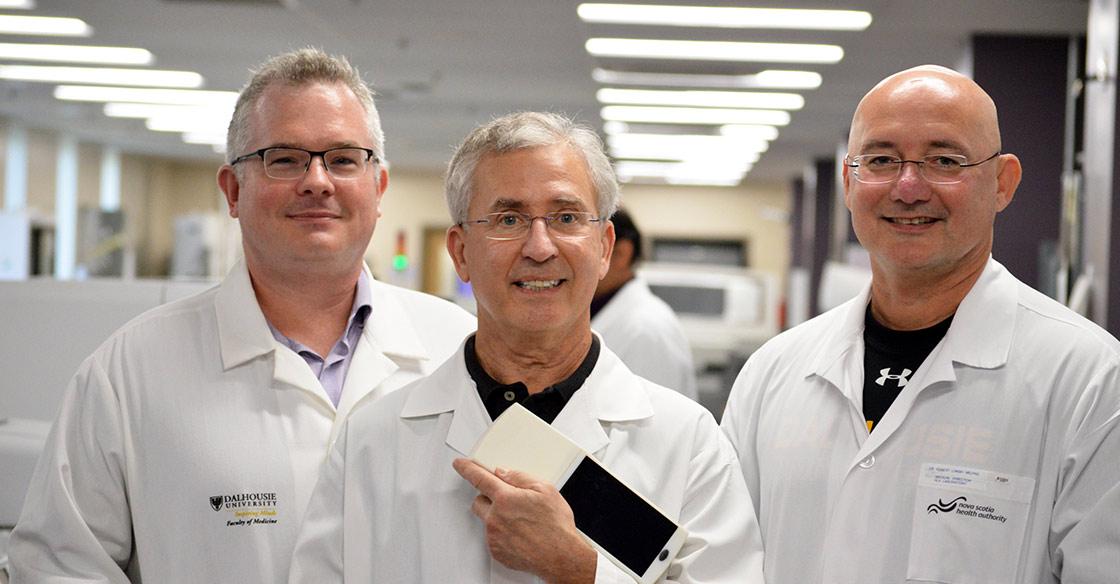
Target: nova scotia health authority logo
{"points": [[943, 507]]}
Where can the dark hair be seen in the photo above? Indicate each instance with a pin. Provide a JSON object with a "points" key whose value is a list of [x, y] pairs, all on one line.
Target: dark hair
{"points": [[624, 228]]}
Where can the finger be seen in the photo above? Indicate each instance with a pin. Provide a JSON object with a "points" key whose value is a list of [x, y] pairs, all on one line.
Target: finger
{"points": [[481, 507], [518, 479], [480, 478]]}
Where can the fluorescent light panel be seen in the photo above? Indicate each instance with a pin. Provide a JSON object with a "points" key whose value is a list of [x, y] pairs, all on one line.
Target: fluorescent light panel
{"points": [[687, 143], [17, 4], [714, 50], [692, 98], [769, 79], [693, 115], [144, 95], [43, 26], [725, 17], [102, 76], [75, 54], [204, 122], [208, 138], [755, 131], [152, 110]]}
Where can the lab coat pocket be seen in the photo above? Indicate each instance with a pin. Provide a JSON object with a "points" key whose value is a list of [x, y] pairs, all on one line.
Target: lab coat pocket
{"points": [[968, 525]]}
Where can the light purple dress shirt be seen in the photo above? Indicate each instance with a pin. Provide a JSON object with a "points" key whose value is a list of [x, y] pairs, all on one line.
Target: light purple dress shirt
{"points": [[331, 371]]}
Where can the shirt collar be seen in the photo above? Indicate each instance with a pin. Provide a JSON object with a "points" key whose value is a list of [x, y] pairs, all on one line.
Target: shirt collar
{"points": [[359, 312], [490, 390]]}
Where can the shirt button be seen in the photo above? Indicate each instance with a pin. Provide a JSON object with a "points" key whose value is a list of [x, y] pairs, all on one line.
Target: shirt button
{"points": [[510, 396], [867, 462]]}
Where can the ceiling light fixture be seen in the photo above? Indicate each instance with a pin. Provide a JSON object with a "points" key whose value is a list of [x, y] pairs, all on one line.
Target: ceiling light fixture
{"points": [[754, 131], [102, 76], [693, 115], [43, 26], [17, 4], [153, 110], [714, 50], [75, 54], [692, 98], [685, 143], [725, 17], [769, 79], [144, 95]]}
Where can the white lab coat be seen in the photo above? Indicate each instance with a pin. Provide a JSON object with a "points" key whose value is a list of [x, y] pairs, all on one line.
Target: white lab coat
{"points": [[390, 503], [645, 333], [193, 400], [1016, 412]]}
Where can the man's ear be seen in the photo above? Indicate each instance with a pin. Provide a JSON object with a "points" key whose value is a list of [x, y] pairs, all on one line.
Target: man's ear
{"points": [[1009, 174], [231, 187], [456, 248], [382, 184], [608, 249]]}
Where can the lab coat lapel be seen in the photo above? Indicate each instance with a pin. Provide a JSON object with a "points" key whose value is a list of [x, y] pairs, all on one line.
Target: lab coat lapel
{"points": [[388, 342], [449, 389], [979, 336], [610, 394]]}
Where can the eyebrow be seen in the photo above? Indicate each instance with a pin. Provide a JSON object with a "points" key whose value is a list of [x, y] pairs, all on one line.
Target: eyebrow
{"points": [[887, 144], [518, 205]]}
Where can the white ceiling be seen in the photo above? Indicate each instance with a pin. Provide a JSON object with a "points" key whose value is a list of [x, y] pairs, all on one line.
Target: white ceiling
{"points": [[443, 66]]}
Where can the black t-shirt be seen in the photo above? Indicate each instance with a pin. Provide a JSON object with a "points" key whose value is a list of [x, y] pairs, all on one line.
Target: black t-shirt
{"points": [[890, 359]]}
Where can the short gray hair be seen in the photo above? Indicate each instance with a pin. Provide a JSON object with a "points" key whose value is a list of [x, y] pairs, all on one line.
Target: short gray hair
{"points": [[299, 68], [528, 130]]}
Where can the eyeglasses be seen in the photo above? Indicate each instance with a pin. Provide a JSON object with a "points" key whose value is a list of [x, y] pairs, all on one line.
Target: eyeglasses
{"points": [[938, 169], [510, 225], [289, 163]]}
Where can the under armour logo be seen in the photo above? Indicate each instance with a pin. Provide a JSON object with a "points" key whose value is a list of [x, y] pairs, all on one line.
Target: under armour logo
{"points": [[885, 374]]}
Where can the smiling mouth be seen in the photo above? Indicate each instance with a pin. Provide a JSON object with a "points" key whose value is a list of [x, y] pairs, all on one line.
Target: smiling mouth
{"points": [[538, 284], [911, 220]]}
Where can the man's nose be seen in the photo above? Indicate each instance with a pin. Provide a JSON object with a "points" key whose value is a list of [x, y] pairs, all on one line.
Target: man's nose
{"points": [[316, 180], [538, 245], [910, 187]]}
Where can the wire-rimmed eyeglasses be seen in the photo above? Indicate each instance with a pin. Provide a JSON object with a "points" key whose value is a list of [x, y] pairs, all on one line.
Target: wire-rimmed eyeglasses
{"points": [[940, 169], [510, 225], [288, 163]]}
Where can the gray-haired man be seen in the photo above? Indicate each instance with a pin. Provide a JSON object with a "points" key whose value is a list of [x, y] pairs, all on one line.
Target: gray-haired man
{"points": [[398, 502]]}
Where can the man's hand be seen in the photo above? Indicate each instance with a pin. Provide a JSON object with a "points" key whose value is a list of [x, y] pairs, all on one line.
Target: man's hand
{"points": [[529, 526]]}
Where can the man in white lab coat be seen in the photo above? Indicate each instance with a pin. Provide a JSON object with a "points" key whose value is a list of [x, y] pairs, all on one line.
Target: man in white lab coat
{"points": [[640, 328], [949, 424], [188, 443], [398, 502]]}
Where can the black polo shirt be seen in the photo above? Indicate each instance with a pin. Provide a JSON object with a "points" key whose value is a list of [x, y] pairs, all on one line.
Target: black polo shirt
{"points": [[545, 404]]}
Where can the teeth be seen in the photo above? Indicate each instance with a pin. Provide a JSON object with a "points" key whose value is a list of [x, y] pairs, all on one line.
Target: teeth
{"points": [[914, 221], [539, 284]]}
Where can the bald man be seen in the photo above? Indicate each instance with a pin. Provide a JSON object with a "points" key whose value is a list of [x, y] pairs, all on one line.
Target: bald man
{"points": [[949, 424]]}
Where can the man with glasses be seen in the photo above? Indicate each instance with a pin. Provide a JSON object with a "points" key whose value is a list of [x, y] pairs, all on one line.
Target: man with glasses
{"points": [[399, 502], [189, 443], [949, 424]]}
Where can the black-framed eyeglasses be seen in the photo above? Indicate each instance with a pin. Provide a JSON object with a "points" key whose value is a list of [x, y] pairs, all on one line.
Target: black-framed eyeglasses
{"points": [[289, 163], [940, 169], [510, 225]]}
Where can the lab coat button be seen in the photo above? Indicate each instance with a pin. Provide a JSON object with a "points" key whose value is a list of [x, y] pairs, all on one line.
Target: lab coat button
{"points": [[867, 462]]}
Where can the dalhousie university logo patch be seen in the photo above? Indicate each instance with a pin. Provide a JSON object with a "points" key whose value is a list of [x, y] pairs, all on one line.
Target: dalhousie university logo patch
{"points": [[216, 503]]}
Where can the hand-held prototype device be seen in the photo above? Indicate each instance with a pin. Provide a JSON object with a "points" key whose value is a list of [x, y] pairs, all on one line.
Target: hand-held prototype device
{"points": [[629, 530]]}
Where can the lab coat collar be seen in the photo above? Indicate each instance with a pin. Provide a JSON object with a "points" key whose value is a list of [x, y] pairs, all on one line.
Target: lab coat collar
{"points": [[845, 334], [980, 335], [243, 332], [611, 394]]}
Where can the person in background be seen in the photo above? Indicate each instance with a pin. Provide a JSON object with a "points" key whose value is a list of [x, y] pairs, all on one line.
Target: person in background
{"points": [[188, 444], [949, 424], [637, 326], [398, 502]]}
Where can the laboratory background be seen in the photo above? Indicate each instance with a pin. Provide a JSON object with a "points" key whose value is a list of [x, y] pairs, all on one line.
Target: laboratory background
{"points": [[727, 135]]}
